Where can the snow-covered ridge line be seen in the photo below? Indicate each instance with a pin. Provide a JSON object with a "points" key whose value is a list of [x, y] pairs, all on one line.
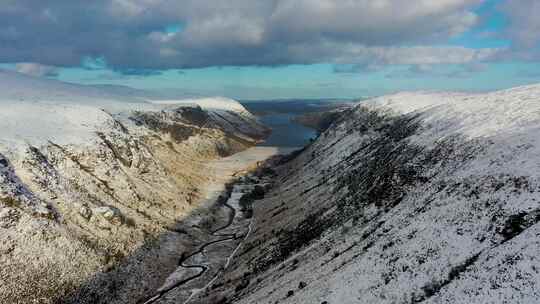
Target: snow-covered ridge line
{"points": [[36, 110], [473, 115], [16, 87], [415, 197], [89, 178], [213, 103]]}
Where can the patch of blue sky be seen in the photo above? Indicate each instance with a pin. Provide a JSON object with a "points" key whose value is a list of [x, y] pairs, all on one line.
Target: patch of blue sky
{"points": [[489, 32], [174, 28]]}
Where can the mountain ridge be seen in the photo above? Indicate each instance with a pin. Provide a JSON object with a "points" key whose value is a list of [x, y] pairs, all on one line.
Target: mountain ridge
{"points": [[87, 184], [407, 198]]}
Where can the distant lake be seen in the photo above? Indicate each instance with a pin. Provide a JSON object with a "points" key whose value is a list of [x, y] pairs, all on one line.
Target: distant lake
{"points": [[285, 132], [278, 115]]}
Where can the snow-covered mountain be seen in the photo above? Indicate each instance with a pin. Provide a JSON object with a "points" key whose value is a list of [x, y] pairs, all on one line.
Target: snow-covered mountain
{"points": [[36, 110], [416, 197], [90, 176], [410, 198]]}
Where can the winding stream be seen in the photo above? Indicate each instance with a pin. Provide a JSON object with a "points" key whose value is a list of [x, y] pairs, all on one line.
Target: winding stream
{"points": [[226, 237]]}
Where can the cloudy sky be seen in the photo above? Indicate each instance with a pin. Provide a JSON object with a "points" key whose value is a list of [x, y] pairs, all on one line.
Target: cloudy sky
{"points": [[276, 48]]}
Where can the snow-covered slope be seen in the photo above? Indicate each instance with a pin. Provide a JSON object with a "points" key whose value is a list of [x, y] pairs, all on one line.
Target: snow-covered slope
{"points": [[410, 198], [478, 115], [36, 110], [89, 177], [215, 103]]}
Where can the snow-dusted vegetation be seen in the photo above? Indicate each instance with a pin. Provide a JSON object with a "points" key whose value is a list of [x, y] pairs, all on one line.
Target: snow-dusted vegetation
{"points": [[409, 198], [93, 179], [416, 197]]}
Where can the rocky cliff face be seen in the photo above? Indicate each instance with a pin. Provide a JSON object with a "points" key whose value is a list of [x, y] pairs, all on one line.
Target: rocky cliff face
{"points": [[85, 189], [410, 198]]}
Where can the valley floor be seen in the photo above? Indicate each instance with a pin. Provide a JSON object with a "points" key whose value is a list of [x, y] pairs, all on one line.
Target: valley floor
{"points": [[219, 225]]}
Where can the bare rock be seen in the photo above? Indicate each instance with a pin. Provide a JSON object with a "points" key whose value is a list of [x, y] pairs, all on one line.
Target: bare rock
{"points": [[85, 212], [110, 214]]}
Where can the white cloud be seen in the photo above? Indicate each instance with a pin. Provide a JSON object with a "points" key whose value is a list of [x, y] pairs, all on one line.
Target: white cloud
{"points": [[36, 69], [524, 27], [130, 33], [425, 55], [425, 70], [403, 55], [373, 22]]}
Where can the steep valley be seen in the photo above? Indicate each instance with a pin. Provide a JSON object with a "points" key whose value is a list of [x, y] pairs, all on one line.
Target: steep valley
{"points": [[409, 198], [95, 192], [270, 152]]}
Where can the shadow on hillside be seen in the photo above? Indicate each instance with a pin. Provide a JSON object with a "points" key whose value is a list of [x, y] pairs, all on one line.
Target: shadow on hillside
{"points": [[137, 277]]}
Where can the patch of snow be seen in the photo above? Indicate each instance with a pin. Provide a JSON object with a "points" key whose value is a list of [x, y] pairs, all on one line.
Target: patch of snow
{"points": [[210, 103], [474, 115], [38, 110]]}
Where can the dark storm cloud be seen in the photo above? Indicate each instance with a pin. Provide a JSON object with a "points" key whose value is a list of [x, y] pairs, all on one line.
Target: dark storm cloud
{"points": [[131, 34]]}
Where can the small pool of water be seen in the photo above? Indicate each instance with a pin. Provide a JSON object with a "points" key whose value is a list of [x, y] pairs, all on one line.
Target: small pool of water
{"points": [[285, 132]]}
